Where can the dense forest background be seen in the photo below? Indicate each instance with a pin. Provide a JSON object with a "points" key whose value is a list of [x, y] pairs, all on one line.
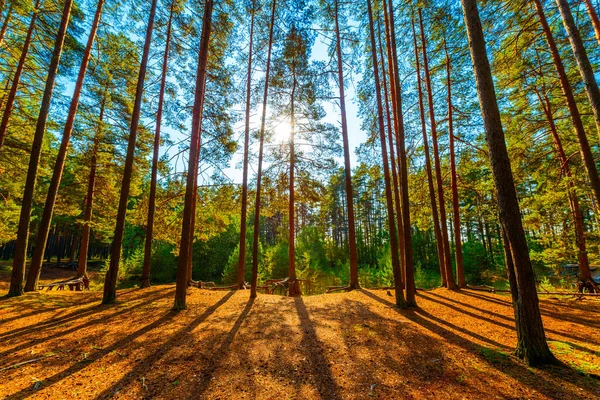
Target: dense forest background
{"points": [[528, 89]]}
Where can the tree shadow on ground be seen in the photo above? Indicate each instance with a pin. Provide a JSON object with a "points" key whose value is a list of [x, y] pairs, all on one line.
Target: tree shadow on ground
{"points": [[553, 376], [165, 318]]}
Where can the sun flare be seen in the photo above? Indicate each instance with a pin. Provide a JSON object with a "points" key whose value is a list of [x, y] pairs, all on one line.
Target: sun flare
{"points": [[281, 132]]}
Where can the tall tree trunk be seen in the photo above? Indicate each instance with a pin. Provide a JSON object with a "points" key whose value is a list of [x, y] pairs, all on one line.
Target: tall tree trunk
{"points": [[532, 345], [396, 92], [110, 282], [584, 146], [584, 264], [392, 157], [186, 227], [18, 271], [5, 23], [44, 228], [583, 62], [460, 272], [156, 145], [89, 201], [434, 210], [354, 284], [594, 17], [241, 282], [10, 102], [256, 233], [450, 284], [294, 285], [400, 301]]}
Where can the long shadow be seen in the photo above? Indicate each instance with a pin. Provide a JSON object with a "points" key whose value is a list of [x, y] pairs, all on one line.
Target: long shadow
{"points": [[509, 366], [545, 313], [220, 353], [326, 385], [69, 317], [100, 319], [115, 346], [149, 361]]}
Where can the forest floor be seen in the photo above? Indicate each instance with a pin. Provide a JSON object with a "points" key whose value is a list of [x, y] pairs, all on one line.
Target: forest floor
{"points": [[348, 345]]}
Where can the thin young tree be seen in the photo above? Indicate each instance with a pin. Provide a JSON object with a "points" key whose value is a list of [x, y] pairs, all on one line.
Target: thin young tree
{"points": [[241, 282], [256, 233], [532, 346], [460, 271], [10, 101], [584, 147], [583, 61], [450, 284], [398, 287], [354, 284], [186, 227], [155, 148], [33, 275], [18, 270], [396, 93], [6, 22], [430, 184], [110, 282]]}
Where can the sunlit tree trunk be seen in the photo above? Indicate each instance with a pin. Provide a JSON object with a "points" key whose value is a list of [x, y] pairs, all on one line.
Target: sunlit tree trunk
{"points": [[392, 157], [241, 282], [432, 199], [256, 233], [44, 228], [593, 17], [450, 284], [532, 345], [186, 227], [354, 284], [396, 93], [584, 264], [294, 285], [89, 199], [400, 301], [5, 23], [460, 272], [10, 101], [110, 282], [155, 147], [583, 62], [18, 271], [584, 146]]}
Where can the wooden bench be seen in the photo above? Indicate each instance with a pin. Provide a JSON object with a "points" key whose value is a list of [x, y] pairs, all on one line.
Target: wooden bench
{"points": [[78, 284]]}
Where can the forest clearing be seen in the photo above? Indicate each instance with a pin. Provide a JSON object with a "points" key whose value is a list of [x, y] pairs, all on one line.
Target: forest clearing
{"points": [[299, 199], [352, 345]]}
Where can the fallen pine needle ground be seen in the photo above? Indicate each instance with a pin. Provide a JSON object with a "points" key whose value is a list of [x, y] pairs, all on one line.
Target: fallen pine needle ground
{"points": [[338, 346]]}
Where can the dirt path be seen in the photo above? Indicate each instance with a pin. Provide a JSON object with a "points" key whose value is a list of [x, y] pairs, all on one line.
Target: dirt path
{"points": [[350, 345]]}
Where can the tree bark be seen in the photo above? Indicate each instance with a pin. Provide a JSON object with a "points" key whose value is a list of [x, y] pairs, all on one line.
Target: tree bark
{"points": [[294, 285], [10, 102], [182, 264], [460, 271], [594, 17], [241, 282], [256, 233], [44, 228], [450, 284], [583, 62], [18, 271], [354, 284], [434, 210], [582, 257], [396, 93], [110, 282], [532, 345], [155, 147], [396, 185], [400, 301], [584, 146]]}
